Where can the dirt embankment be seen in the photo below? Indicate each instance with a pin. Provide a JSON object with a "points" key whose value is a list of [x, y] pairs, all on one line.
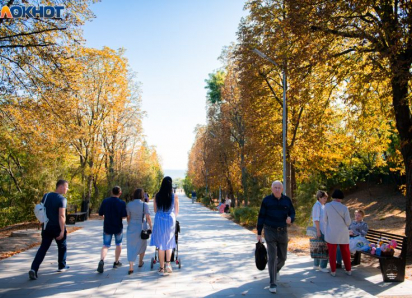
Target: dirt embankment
{"points": [[10, 246]]}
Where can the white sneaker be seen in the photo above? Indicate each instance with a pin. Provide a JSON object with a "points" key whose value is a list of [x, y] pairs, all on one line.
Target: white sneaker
{"points": [[63, 269], [348, 273], [333, 274], [324, 270], [315, 267], [272, 289]]}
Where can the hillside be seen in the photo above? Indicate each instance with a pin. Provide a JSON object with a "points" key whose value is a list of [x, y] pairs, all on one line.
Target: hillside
{"points": [[384, 207]]}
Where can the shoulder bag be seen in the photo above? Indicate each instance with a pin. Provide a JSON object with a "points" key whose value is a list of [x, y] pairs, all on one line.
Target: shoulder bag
{"points": [[145, 234]]}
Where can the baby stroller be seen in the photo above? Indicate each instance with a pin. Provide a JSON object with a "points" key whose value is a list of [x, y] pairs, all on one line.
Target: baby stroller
{"points": [[175, 252]]}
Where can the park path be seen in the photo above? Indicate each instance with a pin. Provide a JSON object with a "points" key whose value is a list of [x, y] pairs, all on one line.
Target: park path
{"points": [[217, 261]]}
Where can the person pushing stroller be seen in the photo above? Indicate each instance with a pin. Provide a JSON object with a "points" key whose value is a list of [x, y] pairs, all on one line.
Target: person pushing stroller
{"points": [[166, 207]]}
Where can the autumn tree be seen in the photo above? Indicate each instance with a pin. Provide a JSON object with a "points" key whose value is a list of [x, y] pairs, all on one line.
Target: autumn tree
{"points": [[376, 34]]}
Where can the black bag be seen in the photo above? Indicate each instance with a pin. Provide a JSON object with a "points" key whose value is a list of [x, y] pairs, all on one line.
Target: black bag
{"points": [[145, 234], [261, 256]]}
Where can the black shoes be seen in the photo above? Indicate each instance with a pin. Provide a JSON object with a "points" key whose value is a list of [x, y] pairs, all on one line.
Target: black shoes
{"points": [[338, 265], [100, 268], [32, 274]]}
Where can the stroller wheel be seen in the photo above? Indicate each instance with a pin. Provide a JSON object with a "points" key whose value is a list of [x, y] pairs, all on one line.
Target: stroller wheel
{"points": [[151, 263], [179, 263]]}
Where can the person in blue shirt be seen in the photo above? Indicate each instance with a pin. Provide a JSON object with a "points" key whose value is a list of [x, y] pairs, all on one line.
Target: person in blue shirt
{"points": [[276, 212], [114, 210], [55, 229]]}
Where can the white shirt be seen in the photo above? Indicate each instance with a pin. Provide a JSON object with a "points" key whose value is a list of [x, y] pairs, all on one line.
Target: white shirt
{"points": [[318, 214]]}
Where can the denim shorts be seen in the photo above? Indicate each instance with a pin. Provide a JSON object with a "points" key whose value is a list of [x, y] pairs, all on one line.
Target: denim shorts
{"points": [[107, 239]]}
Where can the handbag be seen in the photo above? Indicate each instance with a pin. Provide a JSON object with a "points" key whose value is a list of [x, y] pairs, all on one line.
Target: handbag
{"points": [[318, 248], [311, 232], [261, 256], [145, 234]]}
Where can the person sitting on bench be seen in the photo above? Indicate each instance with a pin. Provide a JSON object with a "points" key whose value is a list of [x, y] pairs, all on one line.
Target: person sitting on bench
{"points": [[357, 228]]}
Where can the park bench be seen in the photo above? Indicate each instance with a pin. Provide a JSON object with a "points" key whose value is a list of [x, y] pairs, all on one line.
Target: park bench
{"points": [[71, 218], [392, 267]]}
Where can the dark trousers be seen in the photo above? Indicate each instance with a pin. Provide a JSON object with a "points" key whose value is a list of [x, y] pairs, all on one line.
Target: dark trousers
{"points": [[47, 239], [277, 243]]}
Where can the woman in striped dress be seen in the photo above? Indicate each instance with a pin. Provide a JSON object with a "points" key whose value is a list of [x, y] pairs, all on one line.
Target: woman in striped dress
{"points": [[166, 207]]}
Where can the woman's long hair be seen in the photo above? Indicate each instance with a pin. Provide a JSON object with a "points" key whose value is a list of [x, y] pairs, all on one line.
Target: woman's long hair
{"points": [[164, 196]]}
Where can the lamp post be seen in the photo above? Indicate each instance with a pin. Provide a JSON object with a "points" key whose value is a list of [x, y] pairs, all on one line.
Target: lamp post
{"points": [[285, 114]]}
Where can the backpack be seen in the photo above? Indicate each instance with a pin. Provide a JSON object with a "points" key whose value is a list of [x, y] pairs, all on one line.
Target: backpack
{"points": [[261, 256], [40, 212]]}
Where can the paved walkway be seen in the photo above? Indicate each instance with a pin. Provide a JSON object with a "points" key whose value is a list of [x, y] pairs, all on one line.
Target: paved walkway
{"points": [[217, 261]]}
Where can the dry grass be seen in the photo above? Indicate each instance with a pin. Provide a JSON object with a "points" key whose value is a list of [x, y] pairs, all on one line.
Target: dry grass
{"points": [[10, 246]]}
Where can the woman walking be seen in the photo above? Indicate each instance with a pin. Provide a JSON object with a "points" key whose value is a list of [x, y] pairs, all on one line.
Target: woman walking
{"points": [[337, 221], [318, 214], [137, 210], [166, 206]]}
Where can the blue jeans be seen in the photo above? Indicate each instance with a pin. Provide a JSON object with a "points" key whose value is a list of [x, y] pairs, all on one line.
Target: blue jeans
{"points": [[107, 239], [47, 239], [338, 256], [323, 263]]}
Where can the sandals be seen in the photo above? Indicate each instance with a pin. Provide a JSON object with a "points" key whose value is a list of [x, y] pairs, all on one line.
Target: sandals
{"points": [[161, 271], [141, 265], [168, 268], [130, 272]]}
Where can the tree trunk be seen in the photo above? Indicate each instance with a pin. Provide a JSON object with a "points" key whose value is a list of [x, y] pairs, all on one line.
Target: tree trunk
{"points": [[399, 84], [244, 177], [293, 184], [408, 227]]}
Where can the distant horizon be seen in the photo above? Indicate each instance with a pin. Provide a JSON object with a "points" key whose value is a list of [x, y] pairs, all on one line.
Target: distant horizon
{"points": [[172, 46], [175, 173]]}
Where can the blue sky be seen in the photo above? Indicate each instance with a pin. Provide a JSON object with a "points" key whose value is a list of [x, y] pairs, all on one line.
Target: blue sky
{"points": [[172, 45]]}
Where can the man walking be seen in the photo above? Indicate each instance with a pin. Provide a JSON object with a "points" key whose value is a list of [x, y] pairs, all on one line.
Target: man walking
{"points": [[276, 212], [55, 228], [193, 196], [114, 210]]}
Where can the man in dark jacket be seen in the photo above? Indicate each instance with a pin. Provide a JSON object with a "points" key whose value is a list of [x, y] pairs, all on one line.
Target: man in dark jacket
{"points": [[114, 210], [276, 212], [55, 228]]}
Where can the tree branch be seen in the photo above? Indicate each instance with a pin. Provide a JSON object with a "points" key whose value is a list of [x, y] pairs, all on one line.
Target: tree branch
{"points": [[346, 34], [271, 89], [31, 33], [27, 46]]}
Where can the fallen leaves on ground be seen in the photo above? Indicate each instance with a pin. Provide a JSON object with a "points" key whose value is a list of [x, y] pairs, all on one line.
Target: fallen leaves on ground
{"points": [[6, 232]]}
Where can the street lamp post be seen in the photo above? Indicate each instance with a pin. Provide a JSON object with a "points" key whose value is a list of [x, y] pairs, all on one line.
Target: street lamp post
{"points": [[285, 114]]}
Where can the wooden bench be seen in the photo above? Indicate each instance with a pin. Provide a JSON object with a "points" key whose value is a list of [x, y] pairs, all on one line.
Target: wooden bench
{"points": [[392, 267], [71, 218]]}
